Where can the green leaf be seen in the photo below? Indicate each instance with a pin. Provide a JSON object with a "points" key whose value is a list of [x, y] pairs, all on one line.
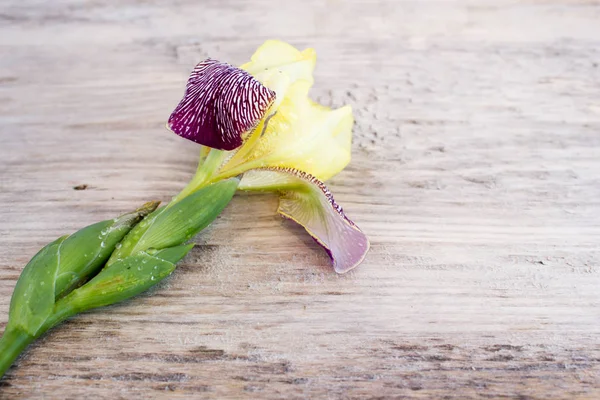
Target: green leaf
{"points": [[32, 301], [177, 223]]}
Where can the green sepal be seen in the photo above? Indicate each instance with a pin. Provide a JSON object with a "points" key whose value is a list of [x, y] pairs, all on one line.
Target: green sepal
{"points": [[124, 279], [179, 222], [172, 254], [32, 301]]}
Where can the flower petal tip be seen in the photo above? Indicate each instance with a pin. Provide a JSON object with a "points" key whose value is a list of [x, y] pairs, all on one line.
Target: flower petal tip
{"points": [[221, 103], [346, 253], [355, 255]]}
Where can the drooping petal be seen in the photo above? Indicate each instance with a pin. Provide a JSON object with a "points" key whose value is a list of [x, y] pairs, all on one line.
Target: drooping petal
{"points": [[220, 105], [307, 201]]}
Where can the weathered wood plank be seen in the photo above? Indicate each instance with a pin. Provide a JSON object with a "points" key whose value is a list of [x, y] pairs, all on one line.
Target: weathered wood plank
{"points": [[475, 174]]}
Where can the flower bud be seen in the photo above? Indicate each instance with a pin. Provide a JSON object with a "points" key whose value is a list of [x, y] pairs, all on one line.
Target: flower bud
{"points": [[124, 279], [64, 264], [83, 253], [179, 222]]}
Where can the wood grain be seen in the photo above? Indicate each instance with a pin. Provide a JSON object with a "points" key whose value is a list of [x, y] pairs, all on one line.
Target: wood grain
{"points": [[475, 173]]}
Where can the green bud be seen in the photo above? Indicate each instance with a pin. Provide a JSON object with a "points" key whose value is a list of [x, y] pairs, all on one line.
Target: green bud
{"points": [[172, 254], [32, 301], [53, 285], [124, 279], [83, 253], [64, 264], [179, 222]]}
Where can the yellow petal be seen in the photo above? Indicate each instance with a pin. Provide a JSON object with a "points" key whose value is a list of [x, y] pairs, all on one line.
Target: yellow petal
{"points": [[277, 65], [306, 136], [275, 57], [301, 134], [297, 132]]}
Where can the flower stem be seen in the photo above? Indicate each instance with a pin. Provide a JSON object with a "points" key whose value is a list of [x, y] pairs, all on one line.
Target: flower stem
{"points": [[227, 173], [204, 172], [13, 342]]}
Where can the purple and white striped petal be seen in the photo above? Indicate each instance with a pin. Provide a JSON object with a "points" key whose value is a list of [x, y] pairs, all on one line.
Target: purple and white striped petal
{"points": [[221, 103], [307, 201]]}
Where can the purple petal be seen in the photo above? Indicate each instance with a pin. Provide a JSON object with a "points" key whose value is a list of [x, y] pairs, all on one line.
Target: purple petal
{"points": [[306, 200], [221, 103]]}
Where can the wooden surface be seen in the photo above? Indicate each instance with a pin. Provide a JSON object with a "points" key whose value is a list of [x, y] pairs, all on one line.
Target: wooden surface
{"points": [[475, 172]]}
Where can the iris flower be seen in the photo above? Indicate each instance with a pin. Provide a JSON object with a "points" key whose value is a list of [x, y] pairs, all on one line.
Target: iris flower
{"points": [[258, 122], [259, 131]]}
